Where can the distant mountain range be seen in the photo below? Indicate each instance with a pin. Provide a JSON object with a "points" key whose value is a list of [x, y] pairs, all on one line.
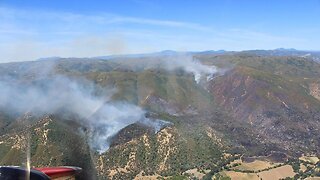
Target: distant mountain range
{"points": [[276, 52]]}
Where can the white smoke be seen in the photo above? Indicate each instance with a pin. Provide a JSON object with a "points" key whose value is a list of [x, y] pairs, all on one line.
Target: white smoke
{"points": [[109, 120], [157, 124], [53, 95], [187, 63], [112, 117]]}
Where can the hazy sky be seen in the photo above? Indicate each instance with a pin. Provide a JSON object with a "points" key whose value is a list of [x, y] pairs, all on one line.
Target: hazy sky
{"points": [[31, 29]]}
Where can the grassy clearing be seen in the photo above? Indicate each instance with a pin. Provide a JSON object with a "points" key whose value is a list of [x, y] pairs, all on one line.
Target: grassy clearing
{"points": [[255, 165], [239, 175], [303, 168], [277, 173], [310, 159], [145, 177], [195, 173]]}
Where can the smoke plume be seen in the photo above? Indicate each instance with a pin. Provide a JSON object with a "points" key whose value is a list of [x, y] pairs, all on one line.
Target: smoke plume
{"points": [[189, 64], [173, 62], [102, 117], [110, 118]]}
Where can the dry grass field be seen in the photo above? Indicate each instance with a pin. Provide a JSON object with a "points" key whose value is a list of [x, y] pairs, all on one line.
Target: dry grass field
{"points": [[311, 159], [277, 173], [255, 165], [195, 173], [240, 176]]}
